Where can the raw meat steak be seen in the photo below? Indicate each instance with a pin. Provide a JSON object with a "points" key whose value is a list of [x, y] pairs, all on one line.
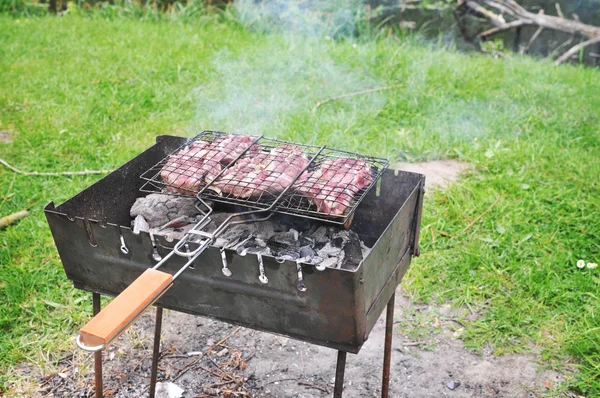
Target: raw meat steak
{"points": [[186, 170], [334, 184], [255, 175]]}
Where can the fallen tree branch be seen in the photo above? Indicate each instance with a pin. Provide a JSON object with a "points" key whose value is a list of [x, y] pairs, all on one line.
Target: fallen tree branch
{"points": [[521, 17], [51, 174], [371, 90], [496, 20], [502, 28], [533, 38], [576, 49]]}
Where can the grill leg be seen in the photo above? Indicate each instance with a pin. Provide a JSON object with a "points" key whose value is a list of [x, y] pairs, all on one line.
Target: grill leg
{"points": [[339, 375], [98, 354], [156, 350], [387, 351]]}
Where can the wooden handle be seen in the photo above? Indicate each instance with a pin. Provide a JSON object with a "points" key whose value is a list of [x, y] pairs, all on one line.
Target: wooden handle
{"points": [[125, 307]]}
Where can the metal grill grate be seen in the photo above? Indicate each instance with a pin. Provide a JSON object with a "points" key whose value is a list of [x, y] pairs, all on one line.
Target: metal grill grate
{"points": [[264, 173]]}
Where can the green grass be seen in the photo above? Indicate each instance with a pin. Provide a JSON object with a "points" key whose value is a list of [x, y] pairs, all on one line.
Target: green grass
{"points": [[91, 92]]}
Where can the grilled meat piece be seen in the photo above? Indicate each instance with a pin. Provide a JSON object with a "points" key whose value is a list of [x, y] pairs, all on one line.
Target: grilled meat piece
{"points": [[334, 184], [186, 170], [262, 175]]}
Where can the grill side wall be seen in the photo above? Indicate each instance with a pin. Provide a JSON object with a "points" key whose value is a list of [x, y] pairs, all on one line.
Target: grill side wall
{"points": [[336, 311]]}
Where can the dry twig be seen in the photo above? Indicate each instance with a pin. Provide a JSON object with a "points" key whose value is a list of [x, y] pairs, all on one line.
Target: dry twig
{"points": [[224, 339], [12, 218], [371, 90], [468, 227], [310, 385], [447, 235], [51, 174]]}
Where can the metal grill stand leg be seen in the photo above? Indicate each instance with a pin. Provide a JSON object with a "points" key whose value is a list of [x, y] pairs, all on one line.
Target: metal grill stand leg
{"points": [[98, 354], [339, 375], [156, 351], [387, 351]]}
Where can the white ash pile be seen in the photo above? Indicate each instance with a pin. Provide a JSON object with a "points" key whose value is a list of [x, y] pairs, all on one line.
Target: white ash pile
{"points": [[165, 215], [282, 237]]}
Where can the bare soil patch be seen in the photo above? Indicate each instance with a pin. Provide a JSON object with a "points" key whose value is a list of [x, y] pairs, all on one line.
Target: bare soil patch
{"points": [[6, 137], [275, 366]]}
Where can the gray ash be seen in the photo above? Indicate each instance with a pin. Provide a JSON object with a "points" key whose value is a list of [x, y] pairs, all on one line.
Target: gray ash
{"points": [[283, 237]]}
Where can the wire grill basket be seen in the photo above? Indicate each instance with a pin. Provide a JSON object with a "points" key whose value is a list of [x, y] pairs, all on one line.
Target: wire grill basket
{"points": [[263, 173]]}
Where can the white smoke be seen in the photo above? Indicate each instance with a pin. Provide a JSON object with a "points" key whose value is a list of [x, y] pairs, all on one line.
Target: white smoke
{"points": [[262, 89]]}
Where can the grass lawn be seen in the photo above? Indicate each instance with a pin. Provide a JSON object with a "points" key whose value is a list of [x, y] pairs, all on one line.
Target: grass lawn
{"points": [[89, 93]]}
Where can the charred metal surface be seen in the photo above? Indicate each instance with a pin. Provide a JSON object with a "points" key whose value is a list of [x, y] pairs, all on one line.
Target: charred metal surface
{"points": [[338, 309], [340, 369], [155, 352], [98, 387], [387, 351]]}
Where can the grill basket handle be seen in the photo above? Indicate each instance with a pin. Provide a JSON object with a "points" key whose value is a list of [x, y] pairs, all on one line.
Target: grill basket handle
{"points": [[116, 317]]}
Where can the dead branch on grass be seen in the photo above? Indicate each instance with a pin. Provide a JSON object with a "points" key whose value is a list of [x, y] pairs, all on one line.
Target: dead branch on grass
{"points": [[371, 90], [479, 217], [51, 174]]}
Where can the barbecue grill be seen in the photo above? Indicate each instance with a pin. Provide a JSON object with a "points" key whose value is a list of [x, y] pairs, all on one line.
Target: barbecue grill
{"points": [[336, 308]]}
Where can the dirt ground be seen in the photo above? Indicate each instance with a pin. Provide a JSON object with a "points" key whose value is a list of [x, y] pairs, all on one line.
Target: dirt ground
{"points": [[428, 357], [266, 365]]}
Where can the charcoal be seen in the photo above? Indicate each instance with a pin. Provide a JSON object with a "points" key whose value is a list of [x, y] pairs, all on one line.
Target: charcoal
{"points": [[235, 235], [260, 242], [220, 242], [329, 251], [337, 242], [320, 235], [217, 219], [292, 222], [282, 255], [329, 262], [241, 250], [158, 209], [171, 234], [352, 250], [249, 246], [140, 224], [258, 250], [306, 251], [319, 246], [264, 229], [284, 239]]}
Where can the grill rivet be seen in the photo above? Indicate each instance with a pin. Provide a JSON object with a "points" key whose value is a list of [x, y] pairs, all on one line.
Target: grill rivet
{"points": [[226, 271], [155, 254], [300, 285], [124, 248], [261, 269]]}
